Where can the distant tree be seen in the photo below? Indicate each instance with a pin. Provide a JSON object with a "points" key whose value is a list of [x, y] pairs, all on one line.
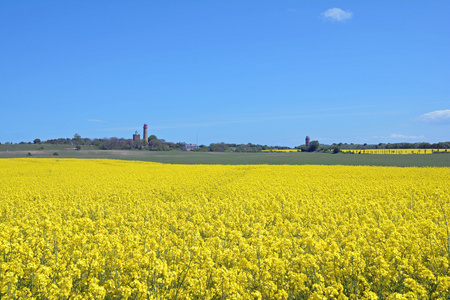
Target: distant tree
{"points": [[152, 137], [202, 148], [336, 150], [78, 147], [303, 148], [155, 145], [77, 140], [241, 148], [169, 145], [424, 145], [441, 145], [314, 146], [179, 145], [219, 147], [36, 141]]}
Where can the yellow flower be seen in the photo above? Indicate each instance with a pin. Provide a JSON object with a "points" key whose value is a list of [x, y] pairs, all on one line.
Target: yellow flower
{"points": [[95, 229]]}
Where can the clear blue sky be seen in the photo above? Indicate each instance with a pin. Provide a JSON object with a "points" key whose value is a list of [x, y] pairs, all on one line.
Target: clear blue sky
{"points": [[266, 72]]}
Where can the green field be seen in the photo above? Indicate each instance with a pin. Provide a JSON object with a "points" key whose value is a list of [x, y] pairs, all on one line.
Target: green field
{"points": [[231, 158]]}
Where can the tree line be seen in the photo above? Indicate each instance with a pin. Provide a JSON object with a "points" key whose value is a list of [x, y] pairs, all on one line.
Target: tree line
{"points": [[421, 145], [336, 147], [153, 143]]}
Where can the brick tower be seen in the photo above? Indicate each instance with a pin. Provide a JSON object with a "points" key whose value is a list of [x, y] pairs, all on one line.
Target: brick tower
{"points": [[145, 132], [136, 136]]}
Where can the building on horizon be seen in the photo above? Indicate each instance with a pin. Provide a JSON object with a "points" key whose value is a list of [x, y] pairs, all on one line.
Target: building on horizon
{"points": [[136, 136], [189, 147], [307, 141]]}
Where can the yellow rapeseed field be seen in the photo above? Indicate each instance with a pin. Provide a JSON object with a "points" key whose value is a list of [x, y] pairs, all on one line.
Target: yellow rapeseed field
{"points": [[106, 229], [282, 150], [375, 151], [395, 151]]}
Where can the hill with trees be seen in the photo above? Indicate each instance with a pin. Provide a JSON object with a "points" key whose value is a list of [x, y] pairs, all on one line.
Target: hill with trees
{"points": [[156, 144]]}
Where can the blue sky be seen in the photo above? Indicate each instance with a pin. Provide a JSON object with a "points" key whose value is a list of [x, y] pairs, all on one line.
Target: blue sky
{"points": [[266, 72]]}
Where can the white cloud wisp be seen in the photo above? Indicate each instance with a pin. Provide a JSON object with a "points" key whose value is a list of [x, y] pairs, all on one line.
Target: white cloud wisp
{"points": [[438, 116], [337, 15]]}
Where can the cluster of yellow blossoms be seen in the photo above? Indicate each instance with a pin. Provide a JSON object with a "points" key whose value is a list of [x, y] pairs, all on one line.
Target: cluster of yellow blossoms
{"points": [[395, 151], [375, 151], [282, 150], [105, 229]]}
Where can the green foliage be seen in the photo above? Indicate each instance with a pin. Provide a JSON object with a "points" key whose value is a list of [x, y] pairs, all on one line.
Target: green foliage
{"points": [[36, 141], [55, 154], [202, 148], [219, 147], [314, 146], [156, 145]]}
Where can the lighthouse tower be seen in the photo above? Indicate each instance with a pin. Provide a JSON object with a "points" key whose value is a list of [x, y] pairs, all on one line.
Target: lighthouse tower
{"points": [[307, 141], [145, 132]]}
